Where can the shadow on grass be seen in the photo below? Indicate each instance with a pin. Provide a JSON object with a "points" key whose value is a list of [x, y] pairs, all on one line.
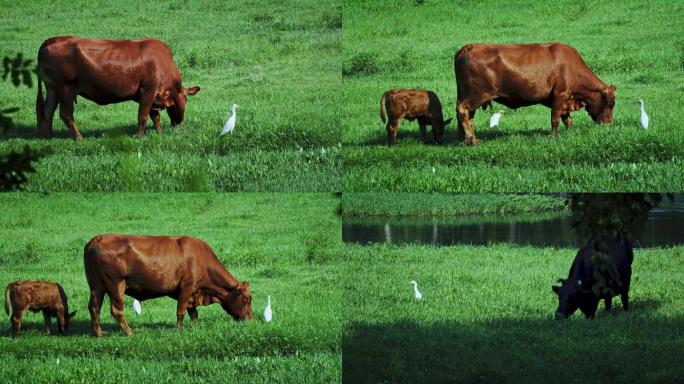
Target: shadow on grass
{"points": [[22, 131], [613, 348], [81, 327], [450, 136]]}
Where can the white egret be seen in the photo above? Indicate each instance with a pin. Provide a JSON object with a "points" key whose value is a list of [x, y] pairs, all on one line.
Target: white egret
{"points": [[644, 116], [230, 124], [494, 121], [136, 307], [416, 292], [268, 313]]}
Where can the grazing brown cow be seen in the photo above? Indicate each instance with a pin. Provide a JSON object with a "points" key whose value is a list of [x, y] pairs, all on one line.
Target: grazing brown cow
{"points": [[36, 296], [106, 72], [412, 104], [519, 75], [146, 267]]}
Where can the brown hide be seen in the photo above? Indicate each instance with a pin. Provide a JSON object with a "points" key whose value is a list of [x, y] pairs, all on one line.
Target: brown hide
{"points": [[146, 267], [35, 296], [519, 75], [412, 104], [108, 71]]}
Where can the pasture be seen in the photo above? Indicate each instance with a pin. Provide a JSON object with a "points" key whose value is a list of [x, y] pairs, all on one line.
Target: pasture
{"points": [[279, 62], [285, 245], [635, 45], [487, 317]]}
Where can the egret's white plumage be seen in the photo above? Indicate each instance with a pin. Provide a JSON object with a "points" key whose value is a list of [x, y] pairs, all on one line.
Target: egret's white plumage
{"points": [[644, 116], [136, 307], [268, 313], [494, 121], [230, 124], [416, 292]]}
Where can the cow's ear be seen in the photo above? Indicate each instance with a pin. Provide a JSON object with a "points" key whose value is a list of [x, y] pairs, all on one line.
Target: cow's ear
{"points": [[72, 314], [555, 289], [191, 91]]}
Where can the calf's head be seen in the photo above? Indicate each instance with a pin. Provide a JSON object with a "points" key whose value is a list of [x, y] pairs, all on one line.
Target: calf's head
{"points": [[601, 105], [174, 102], [238, 304], [568, 297]]}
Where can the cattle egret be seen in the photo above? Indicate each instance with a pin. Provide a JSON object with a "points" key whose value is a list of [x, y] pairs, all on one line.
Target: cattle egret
{"points": [[494, 121], [230, 124], [268, 314], [644, 116], [416, 292], [136, 307]]}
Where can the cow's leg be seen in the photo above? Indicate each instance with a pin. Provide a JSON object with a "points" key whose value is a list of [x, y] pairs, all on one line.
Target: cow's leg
{"points": [[567, 120], [94, 306], [46, 317], [182, 306], [48, 113], [117, 307], [16, 322], [144, 110], [66, 112], [192, 312], [154, 114], [423, 129], [559, 108], [465, 123], [609, 303], [625, 300], [392, 128]]}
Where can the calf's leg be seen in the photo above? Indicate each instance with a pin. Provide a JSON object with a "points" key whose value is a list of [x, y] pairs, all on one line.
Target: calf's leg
{"points": [[46, 317], [154, 114], [392, 128], [193, 313], [94, 307], [423, 129], [567, 120], [16, 322]]}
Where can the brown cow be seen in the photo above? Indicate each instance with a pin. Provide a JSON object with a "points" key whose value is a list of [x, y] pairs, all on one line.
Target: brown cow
{"points": [[520, 75], [412, 104], [106, 72], [146, 267], [37, 296]]}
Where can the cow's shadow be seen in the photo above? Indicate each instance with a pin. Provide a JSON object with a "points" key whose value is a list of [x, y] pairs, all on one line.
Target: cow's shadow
{"points": [[30, 132], [80, 327], [450, 138]]}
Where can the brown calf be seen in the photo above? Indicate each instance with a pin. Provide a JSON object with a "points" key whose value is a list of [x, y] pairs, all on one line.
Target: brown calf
{"points": [[37, 296], [412, 104]]}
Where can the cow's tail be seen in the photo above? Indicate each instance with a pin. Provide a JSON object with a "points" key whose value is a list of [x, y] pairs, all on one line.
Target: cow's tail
{"points": [[382, 107], [40, 106], [7, 299]]}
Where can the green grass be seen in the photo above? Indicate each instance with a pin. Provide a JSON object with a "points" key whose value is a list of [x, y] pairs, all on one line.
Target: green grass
{"points": [[279, 62], [285, 245], [634, 45], [487, 316], [438, 204]]}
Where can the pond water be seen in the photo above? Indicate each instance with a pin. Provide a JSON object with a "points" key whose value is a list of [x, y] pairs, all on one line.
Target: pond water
{"points": [[664, 227]]}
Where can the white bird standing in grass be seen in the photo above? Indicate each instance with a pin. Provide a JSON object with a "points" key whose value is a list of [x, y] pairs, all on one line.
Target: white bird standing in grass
{"points": [[230, 124], [494, 121], [644, 116], [136, 307], [416, 292], [268, 314]]}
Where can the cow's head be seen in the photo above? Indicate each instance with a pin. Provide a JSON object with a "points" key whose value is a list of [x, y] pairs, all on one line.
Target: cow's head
{"points": [[439, 129], [600, 107], [174, 102], [568, 297], [238, 304]]}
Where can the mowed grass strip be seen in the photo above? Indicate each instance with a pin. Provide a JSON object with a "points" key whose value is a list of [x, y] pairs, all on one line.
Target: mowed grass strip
{"points": [[285, 245], [279, 62], [487, 316], [389, 46]]}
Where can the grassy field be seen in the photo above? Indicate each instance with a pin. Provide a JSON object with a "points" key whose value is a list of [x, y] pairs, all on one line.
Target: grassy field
{"points": [[487, 317], [635, 45], [440, 204], [278, 61], [285, 245]]}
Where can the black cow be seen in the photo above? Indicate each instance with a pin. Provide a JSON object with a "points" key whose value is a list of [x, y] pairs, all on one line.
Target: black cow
{"points": [[602, 269]]}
